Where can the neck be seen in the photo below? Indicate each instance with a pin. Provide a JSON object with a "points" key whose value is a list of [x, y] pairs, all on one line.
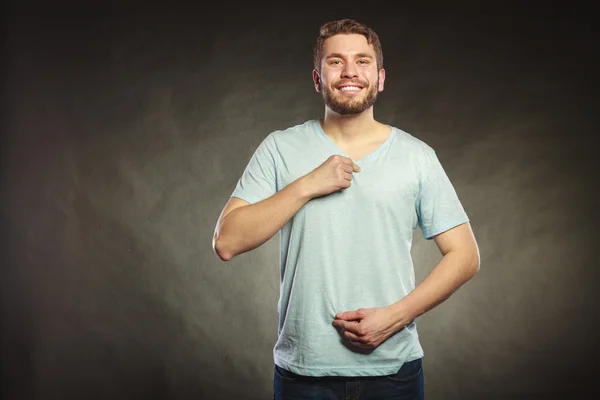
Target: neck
{"points": [[349, 128]]}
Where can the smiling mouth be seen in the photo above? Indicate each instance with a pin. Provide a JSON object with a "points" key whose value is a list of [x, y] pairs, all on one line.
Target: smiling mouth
{"points": [[350, 89]]}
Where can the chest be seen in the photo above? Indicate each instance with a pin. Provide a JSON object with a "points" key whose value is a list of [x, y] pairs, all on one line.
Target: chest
{"points": [[384, 188], [357, 153]]}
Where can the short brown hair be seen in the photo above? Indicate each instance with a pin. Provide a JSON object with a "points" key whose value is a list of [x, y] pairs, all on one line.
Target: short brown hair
{"points": [[346, 26]]}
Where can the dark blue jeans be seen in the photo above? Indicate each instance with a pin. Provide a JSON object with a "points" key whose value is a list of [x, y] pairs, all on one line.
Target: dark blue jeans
{"points": [[406, 384]]}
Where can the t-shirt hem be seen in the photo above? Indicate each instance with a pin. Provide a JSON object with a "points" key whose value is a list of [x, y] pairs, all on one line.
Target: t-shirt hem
{"points": [[430, 233], [246, 197], [363, 370]]}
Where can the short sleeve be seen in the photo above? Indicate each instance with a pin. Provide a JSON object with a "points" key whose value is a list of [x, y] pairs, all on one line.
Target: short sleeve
{"points": [[258, 181], [438, 206]]}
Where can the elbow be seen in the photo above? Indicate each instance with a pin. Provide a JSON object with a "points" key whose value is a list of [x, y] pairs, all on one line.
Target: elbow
{"points": [[469, 264], [475, 269], [475, 263], [221, 250]]}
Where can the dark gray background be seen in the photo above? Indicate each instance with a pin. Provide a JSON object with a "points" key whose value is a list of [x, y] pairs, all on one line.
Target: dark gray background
{"points": [[129, 125]]}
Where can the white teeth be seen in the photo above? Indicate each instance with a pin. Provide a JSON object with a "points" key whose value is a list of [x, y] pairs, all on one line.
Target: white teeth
{"points": [[350, 88]]}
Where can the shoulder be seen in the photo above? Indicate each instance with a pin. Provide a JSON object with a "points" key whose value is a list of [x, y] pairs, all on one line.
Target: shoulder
{"points": [[295, 132], [286, 140], [293, 138], [412, 146]]}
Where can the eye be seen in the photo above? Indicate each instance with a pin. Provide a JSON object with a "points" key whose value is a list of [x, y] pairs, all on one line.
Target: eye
{"points": [[363, 62], [335, 62]]}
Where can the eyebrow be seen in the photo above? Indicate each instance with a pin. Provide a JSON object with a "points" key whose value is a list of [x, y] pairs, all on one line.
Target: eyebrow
{"points": [[358, 55]]}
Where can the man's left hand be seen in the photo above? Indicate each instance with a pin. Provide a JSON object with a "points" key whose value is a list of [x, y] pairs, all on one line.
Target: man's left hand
{"points": [[366, 327]]}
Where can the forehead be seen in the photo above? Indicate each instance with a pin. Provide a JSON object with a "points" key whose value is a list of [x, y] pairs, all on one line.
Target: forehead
{"points": [[347, 44]]}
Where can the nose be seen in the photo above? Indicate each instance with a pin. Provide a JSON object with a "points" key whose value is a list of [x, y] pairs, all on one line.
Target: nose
{"points": [[349, 71]]}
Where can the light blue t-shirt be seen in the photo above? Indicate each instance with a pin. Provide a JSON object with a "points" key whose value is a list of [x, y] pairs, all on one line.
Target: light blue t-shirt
{"points": [[350, 249]]}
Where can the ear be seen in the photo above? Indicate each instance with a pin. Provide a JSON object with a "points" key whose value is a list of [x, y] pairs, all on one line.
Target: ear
{"points": [[316, 80], [381, 79]]}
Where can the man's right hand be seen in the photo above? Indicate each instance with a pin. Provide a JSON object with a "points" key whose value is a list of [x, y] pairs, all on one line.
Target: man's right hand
{"points": [[333, 175], [243, 226]]}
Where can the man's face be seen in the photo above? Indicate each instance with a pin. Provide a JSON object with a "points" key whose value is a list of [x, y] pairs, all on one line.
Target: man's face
{"points": [[349, 79]]}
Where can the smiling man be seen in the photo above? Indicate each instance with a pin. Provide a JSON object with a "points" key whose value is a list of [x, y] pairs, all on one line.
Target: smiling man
{"points": [[346, 193]]}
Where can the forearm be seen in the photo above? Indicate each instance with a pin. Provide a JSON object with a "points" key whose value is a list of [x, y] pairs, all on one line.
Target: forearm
{"points": [[454, 270], [248, 227]]}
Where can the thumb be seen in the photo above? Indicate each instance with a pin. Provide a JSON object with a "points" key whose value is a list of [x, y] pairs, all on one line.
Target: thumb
{"points": [[355, 167], [348, 315]]}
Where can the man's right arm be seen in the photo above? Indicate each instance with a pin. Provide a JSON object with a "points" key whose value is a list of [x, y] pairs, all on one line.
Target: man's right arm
{"points": [[243, 226]]}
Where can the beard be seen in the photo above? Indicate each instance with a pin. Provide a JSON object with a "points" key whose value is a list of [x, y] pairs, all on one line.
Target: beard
{"points": [[349, 105]]}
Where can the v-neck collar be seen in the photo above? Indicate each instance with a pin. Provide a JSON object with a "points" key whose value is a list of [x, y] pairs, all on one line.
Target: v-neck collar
{"points": [[334, 147]]}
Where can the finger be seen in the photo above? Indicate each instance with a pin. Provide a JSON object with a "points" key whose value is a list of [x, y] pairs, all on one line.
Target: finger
{"points": [[349, 315], [342, 325], [358, 343], [353, 337], [347, 168], [352, 327], [339, 325], [348, 161]]}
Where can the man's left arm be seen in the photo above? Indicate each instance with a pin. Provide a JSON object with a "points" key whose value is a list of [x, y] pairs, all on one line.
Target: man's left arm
{"points": [[369, 327], [459, 263]]}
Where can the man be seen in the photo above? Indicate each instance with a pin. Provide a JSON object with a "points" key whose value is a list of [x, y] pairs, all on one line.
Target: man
{"points": [[346, 193]]}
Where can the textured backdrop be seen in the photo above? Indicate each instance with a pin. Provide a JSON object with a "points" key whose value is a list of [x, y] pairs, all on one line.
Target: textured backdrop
{"points": [[128, 127]]}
